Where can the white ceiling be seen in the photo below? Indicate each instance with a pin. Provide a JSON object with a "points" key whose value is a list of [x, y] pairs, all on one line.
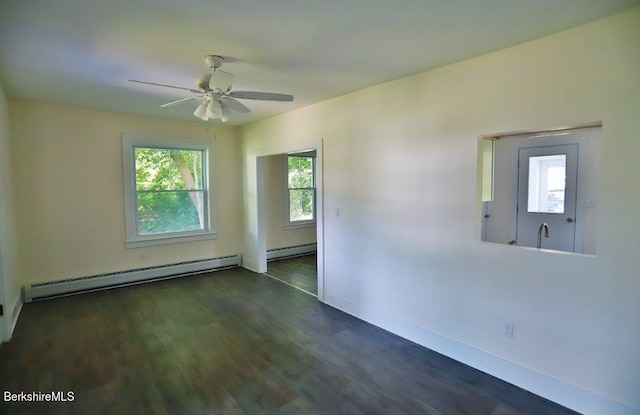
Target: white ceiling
{"points": [[82, 52]]}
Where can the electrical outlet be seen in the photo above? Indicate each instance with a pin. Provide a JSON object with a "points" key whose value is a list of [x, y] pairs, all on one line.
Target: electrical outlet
{"points": [[507, 329]]}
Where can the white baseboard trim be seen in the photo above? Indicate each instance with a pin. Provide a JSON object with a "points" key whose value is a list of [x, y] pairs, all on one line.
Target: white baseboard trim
{"points": [[291, 251], [551, 388], [119, 279], [250, 266]]}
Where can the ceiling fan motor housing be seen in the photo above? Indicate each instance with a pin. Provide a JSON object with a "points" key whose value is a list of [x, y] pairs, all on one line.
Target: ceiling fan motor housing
{"points": [[214, 61]]}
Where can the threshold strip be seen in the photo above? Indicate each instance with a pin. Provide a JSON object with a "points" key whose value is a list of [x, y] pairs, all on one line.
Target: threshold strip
{"points": [[289, 284]]}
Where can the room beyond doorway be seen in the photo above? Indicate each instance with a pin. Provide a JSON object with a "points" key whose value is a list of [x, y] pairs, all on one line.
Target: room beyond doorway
{"points": [[299, 272]]}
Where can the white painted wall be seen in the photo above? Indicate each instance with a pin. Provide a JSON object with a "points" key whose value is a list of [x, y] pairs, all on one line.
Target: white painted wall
{"points": [[278, 234], [67, 169], [400, 164], [9, 286]]}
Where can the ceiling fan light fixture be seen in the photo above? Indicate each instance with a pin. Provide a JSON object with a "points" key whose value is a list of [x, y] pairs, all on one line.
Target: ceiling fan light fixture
{"points": [[214, 110], [201, 112], [225, 114]]}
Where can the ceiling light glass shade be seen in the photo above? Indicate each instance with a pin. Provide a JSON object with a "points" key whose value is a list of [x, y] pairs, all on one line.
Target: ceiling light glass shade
{"points": [[201, 112], [220, 80], [214, 110], [225, 114]]}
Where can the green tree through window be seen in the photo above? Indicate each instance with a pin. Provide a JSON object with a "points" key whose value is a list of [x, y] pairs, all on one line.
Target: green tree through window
{"points": [[170, 195]]}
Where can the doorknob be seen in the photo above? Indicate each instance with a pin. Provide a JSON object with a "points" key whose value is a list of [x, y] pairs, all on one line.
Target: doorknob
{"points": [[569, 220]]}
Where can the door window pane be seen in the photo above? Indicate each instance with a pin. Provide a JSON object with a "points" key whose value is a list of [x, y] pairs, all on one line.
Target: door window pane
{"points": [[547, 177]]}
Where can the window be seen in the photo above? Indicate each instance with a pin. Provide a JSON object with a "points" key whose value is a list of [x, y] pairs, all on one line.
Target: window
{"points": [[301, 188], [167, 195]]}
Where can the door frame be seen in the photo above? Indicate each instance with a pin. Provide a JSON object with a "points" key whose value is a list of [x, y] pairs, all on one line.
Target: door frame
{"points": [[255, 252], [5, 322], [5, 335]]}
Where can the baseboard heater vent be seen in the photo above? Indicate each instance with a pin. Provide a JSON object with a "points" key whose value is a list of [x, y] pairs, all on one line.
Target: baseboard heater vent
{"points": [[123, 278], [291, 251]]}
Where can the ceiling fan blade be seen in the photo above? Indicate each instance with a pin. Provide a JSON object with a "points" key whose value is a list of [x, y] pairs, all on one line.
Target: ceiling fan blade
{"points": [[197, 91], [180, 101], [262, 96], [234, 105]]}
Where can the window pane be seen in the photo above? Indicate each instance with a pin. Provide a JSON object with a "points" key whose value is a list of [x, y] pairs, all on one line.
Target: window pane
{"points": [[186, 169], [169, 212], [300, 172], [301, 204], [152, 167], [168, 169], [547, 183]]}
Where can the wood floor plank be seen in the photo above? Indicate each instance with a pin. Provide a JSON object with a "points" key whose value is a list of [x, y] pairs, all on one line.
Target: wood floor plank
{"points": [[300, 271], [234, 342]]}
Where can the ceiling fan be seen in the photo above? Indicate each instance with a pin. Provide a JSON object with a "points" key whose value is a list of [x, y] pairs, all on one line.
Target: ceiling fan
{"points": [[217, 100]]}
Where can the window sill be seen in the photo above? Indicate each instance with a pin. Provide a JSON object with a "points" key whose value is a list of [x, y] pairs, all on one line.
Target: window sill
{"points": [[165, 240], [300, 225]]}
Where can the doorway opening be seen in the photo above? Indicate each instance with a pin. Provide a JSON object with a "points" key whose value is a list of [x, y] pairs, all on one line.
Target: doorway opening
{"points": [[291, 211], [256, 248]]}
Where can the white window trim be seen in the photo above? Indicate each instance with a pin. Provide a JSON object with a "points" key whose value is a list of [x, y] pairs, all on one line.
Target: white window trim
{"points": [[129, 142], [288, 224]]}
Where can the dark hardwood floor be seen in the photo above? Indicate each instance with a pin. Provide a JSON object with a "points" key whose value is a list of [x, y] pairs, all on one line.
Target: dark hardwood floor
{"points": [[301, 272], [234, 342]]}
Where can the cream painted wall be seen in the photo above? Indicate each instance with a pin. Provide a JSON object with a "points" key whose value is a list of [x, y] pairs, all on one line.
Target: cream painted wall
{"points": [[279, 236], [10, 296], [69, 202], [400, 164]]}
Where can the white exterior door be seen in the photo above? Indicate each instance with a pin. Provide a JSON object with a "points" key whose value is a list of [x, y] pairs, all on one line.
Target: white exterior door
{"points": [[547, 183]]}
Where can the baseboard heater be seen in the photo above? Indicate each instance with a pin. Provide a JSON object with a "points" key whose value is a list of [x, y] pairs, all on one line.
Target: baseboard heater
{"points": [[123, 278], [291, 251]]}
